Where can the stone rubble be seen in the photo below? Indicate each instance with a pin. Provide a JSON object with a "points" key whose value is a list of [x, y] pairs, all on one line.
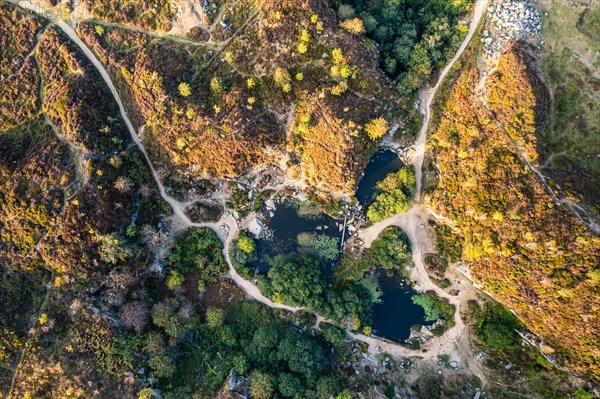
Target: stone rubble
{"points": [[510, 19]]}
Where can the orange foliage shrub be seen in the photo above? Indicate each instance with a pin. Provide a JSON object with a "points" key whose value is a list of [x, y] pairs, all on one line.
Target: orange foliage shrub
{"points": [[515, 86], [76, 100], [19, 81], [324, 149], [230, 132], [531, 255], [143, 14]]}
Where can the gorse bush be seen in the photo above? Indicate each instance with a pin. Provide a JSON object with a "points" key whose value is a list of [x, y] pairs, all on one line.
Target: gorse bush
{"points": [[354, 26], [245, 243], [377, 128]]}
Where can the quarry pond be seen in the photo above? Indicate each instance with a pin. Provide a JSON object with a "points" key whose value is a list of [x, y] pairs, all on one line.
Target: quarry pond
{"points": [[394, 316], [380, 165], [290, 226]]}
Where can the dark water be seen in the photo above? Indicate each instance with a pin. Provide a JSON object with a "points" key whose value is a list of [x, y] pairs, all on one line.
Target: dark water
{"points": [[381, 164], [280, 236], [396, 314]]}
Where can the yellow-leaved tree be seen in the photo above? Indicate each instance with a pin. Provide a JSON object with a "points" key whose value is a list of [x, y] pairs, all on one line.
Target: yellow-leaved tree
{"points": [[376, 128], [354, 26], [184, 89]]}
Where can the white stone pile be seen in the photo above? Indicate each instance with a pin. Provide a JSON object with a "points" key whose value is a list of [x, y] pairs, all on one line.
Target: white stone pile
{"points": [[510, 19]]}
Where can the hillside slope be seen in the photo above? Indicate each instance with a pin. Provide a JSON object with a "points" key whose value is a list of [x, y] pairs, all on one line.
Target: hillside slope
{"points": [[570, 62], [526, 251], [283, 86]]}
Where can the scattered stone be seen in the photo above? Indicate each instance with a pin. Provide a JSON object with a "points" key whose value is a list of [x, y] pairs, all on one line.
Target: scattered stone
{"points": [[255, 227], [511, 19], [270, 204]]}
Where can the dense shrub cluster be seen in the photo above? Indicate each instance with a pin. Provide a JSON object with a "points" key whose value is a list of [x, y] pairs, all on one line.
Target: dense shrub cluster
{"points": [[198, 251], [299, 280], [259, 99], [496, 326], [242, 253], [150, 15], [392, 249], [531, 255], [19, 80], [394, 195], [76, 100]]}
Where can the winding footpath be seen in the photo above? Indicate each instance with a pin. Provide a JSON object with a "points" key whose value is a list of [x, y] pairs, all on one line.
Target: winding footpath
{"points": [[412, 222], [226, 228], [427, 95]]}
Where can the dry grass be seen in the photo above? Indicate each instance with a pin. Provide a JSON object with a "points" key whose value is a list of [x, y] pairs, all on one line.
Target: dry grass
{"points": [[571, 67]]}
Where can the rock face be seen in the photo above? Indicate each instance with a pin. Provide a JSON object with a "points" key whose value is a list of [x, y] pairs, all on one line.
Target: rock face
{"points": [[235, 387], [510, 19]]}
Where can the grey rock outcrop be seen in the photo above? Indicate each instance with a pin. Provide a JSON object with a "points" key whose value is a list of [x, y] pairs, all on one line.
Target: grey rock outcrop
{"points": [[510, 19]]}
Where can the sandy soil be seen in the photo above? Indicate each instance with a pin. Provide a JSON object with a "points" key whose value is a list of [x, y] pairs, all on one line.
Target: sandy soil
{"points": [[190, 15]]}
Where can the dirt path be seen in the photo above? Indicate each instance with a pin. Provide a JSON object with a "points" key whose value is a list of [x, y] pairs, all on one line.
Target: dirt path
{"points": [[414, 223], [227, 227], [427, 95]]}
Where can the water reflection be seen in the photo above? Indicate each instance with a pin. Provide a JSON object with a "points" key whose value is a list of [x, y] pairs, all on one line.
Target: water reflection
{"points": [[381, 164]]}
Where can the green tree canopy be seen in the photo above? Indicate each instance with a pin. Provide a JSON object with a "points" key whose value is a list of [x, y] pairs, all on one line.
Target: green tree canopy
{"points": [[302, 355], [392, 248], [299, 278], [198, 250], [395, 195]]}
